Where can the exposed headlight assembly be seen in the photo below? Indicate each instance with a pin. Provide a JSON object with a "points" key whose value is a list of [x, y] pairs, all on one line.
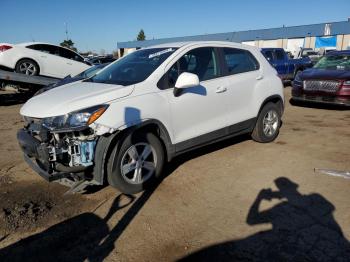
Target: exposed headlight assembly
{"points": [[75, 120]]}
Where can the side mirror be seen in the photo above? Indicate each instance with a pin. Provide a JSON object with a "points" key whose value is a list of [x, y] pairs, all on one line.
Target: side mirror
{"points": [[185, 80]]}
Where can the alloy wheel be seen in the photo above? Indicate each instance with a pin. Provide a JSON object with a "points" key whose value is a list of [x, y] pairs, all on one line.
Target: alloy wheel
{"points": [[27, 68], [270, 123], [138, 163]]}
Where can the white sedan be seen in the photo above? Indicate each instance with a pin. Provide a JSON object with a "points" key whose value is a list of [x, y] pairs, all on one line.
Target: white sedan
{"points": [[41, 59]]}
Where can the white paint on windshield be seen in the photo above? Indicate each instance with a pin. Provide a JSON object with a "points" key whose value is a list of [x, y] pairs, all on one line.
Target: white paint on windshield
{"points": [[160, 53]]}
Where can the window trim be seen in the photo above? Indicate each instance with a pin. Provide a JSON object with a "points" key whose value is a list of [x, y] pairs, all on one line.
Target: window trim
{"points": [[163, 82], [224, 65]]}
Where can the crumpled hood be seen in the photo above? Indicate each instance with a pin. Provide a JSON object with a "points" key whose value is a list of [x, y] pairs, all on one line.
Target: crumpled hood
{"points": [[72, 97], [315, 73]]}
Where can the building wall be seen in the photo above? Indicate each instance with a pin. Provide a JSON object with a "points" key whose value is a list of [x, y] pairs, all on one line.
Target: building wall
{"points": [[273, 37], [346, 42]]}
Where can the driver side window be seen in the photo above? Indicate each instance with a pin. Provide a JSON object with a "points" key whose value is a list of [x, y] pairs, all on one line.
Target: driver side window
{"points": [[200, 61]]}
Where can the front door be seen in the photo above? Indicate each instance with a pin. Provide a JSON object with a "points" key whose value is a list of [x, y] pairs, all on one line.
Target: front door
{"points": [[202, 110]]}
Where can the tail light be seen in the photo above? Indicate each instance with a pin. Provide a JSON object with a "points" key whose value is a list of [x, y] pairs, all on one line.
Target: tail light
{"points": [[3, 48]]}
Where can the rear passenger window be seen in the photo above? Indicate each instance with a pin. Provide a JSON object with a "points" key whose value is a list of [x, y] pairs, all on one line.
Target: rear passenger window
{"points": [[279, 55], [239, 61], [49, 49]]}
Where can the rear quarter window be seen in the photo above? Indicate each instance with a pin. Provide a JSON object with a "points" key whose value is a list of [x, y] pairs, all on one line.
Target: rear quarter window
{"points": [[239, 61]]}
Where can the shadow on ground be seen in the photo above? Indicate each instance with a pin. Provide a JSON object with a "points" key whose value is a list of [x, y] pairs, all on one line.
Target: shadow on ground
{"points": [[87, 236], [318, 105], [303, 229], [9, 99]]}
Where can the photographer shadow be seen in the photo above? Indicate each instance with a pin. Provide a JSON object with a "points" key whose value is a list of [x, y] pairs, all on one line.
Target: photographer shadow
{"points": [[303, 229], [85, 237]]}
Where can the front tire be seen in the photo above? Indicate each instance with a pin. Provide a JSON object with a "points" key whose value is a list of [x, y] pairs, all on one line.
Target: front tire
{"points": [[136, 162], [27, 67], [268, 124]]}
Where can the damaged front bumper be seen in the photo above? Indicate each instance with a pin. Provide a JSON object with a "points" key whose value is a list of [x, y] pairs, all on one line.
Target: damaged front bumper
{"points": [[58, 155]]}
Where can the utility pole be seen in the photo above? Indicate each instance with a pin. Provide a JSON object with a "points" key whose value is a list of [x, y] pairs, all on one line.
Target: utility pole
{"points": [[66, 25]]}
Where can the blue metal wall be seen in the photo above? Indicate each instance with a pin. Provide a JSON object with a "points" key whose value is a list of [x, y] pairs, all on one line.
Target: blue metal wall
{"points": [[337, 28]]}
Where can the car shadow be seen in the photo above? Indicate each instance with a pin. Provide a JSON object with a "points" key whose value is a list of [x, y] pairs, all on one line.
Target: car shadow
{"points": [[87, 236], [9, 99], [303, 229], [318, 105]]}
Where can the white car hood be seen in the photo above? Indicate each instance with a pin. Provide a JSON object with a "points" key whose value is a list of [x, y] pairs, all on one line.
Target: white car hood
{"points": [[72, 97]]}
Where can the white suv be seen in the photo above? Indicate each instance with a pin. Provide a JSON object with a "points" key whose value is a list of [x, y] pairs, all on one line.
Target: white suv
{"points": [[127, 121]]}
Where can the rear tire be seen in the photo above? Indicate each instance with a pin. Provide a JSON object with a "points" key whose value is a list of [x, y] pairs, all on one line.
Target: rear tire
{"points": [[27, 67], [268, 124], [136, 162]]}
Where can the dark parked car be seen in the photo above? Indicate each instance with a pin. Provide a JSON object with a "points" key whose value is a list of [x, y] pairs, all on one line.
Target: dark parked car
{"points": [[69, 79], [101, 60], [327, 82], [286, 68]]}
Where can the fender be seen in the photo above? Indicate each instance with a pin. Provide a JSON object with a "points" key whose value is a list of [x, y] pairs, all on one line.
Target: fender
{"points": [[106, 143], [274, 99]]}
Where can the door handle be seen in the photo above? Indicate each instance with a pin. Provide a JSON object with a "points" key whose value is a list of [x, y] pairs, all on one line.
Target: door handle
{"points": [[43, 56], [69, 64], [221, 89], [259, 77]]}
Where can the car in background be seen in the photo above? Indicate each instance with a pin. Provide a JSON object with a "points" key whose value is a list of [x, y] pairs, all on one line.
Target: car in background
{"points": [[286, 68], [41, 59], [327, 82], [289, 54], [310, 53], [69, 79], [101, 60]]}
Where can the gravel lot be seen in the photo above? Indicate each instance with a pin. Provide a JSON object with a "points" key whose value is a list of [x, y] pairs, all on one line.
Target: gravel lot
{"points": [[236, 200]]}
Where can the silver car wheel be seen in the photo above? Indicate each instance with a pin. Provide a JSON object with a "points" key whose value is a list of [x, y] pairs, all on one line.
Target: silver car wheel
{"points": [[138, 163], [27, 68], [270, 123]]}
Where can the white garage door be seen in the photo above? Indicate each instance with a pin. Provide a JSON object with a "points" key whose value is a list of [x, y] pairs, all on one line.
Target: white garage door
{"points": [[269, 43], [251, 43], [294, 45]]}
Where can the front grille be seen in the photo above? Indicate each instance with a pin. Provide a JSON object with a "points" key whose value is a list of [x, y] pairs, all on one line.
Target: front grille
{"points": [[329, 86]]}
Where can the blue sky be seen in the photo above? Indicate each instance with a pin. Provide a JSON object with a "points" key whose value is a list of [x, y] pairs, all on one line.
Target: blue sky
{"points": [[96, 25]]}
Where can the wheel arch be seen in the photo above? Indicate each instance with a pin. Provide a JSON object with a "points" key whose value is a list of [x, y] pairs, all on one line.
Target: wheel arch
{"points": [[106, 143], [29, 58], [276, 99]]}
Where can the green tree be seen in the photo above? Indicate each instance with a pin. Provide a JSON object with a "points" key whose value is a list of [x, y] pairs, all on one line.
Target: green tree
{"points": [[141, 36], [69, 44]]}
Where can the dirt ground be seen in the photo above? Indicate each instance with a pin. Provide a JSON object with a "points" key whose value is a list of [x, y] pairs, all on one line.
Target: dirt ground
{"points": [[236, 200]]}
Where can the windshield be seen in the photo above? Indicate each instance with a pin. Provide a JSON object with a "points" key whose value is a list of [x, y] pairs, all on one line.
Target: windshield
{"points": [[134, 67], [91, 71], [334, 62], [310, 53]]}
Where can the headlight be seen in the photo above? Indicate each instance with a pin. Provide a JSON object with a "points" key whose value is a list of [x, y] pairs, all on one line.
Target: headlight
{"points": [[297, 77], [75, 120]]}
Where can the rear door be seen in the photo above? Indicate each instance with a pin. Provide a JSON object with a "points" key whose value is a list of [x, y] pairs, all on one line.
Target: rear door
{"points": [[242, 75], [74, 62]]}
